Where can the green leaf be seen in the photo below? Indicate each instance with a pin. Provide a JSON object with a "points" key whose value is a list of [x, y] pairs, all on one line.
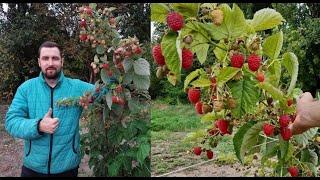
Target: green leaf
{"points": [[100, 50], [233, 25], [220, 53], [192, 76], [246, 137], [104, 77], [273, 45], [226, 74], [308, 155], [290, 61], [141, 67], [133, 106], [273, 91], [159, 12], [127, 65], [284, 147], [303, 138], [128, 77], [196, 136], [271, 150], [274, 73], [141, 82], [266, 19], [143, 152], [201, 51], [203, 81], [186, 9], [109, 99], [113, 169], [246, 95], [312, 167], [93, 5], [170, 53], [209, 117]]}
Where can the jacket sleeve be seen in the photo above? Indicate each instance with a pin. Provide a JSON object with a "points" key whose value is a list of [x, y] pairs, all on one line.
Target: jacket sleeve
{"points": [[17, 121]]}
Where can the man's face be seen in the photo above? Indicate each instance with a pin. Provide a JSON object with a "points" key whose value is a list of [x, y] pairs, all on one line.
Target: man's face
{"points": [[50, 62]]}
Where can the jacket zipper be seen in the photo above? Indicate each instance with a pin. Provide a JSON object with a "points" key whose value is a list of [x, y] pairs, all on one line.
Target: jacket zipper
{"points": [[51, 135]]}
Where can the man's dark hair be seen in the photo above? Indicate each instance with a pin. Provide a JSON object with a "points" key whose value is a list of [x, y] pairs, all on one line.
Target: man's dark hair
{"points": [[50, 44]]}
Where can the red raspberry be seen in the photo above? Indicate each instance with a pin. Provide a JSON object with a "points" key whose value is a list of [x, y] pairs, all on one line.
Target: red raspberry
{"points": [[294, 171], [157, 55], [237, 60], [105, 66], [290, 102], [285, 133], [175, 21], [268, 129], [187, 58], [254, 62], [198, 107], [284, 120], [83, 23], [197, 150], [222, 125], [83, 37], [260, 77], [209, 154], [194, 95]]}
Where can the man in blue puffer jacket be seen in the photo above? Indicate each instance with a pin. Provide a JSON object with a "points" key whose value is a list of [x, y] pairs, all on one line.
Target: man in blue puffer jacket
{"points": [[50, 132]]}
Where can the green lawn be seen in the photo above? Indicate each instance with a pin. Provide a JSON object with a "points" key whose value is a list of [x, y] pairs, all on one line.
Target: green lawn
{"points": [[170, 124]]}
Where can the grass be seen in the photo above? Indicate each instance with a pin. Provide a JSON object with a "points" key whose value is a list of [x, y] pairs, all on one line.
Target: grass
{"points": [[169, 126]]}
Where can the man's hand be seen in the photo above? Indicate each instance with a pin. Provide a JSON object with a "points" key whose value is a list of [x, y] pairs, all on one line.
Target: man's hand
{"points": [[305, 119], [48, 124]]}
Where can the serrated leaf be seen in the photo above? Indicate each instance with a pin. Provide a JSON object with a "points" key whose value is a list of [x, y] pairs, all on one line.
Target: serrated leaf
{"points": [[220, 53], [273, 91], [170, 53], [273, 45], [159, 12], [226, 74], [284, 147], [141, 82], [100, 50], [128, 77], [290, 61], [194, 74], [202, 51], [143, 152], [303, 138], [104, 77], [133, 106], [266, 19], [246, 95], [141, 67], [312, 167], [203, 81], [186, 9], [109, 99], [127, 65], [246, 137]]}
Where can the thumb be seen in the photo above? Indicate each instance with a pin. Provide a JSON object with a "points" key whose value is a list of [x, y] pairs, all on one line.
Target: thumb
{"points": [[49, 113]]}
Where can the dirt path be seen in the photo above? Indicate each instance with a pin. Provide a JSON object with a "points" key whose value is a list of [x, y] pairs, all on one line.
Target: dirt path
{"points": [[11, 153]]}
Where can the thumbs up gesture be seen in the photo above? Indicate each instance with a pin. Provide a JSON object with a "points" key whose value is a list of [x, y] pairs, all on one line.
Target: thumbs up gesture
{"points": [[48, 124]]}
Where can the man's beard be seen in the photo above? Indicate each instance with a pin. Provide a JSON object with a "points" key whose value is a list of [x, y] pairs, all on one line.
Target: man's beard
{"points": [[52, 76]]}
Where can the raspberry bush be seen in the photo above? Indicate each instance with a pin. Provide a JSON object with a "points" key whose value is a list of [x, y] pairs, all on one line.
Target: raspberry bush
{"points": [[242, 88], [116, 135]]}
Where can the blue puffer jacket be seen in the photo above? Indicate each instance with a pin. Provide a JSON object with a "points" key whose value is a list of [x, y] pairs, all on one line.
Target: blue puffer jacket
{"points": [[46, 153]]}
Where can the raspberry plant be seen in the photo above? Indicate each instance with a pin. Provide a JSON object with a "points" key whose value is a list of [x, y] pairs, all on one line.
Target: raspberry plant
{"points": [[246, 83], [116, 134]]}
